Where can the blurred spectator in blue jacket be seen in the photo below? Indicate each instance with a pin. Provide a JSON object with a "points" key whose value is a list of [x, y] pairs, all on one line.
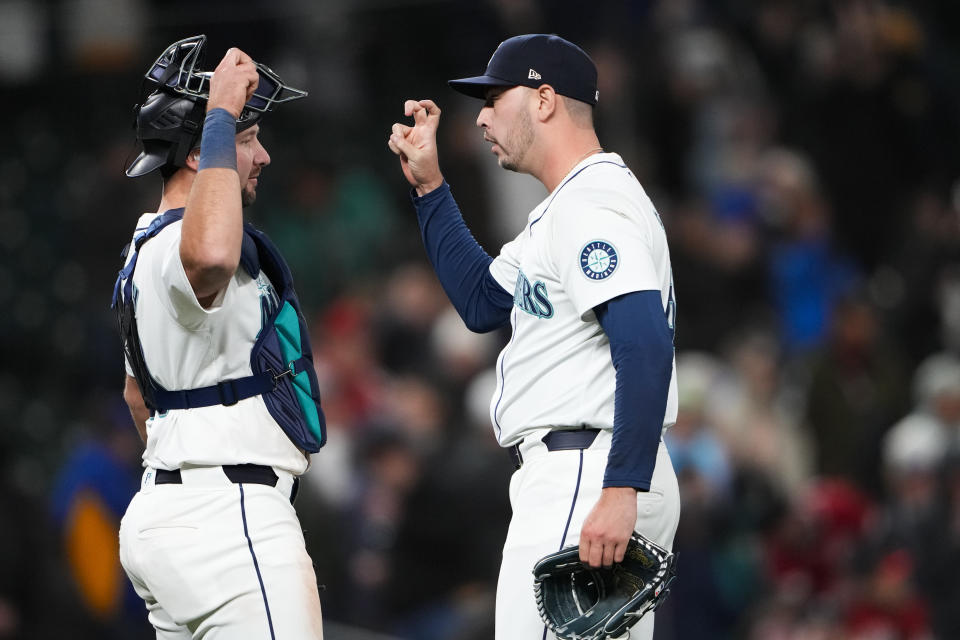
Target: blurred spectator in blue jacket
{"points": [[807, 274], [90, 495]]}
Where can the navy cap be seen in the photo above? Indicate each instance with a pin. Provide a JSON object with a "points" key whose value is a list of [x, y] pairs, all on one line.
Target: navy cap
{"points": [[533, 60]]}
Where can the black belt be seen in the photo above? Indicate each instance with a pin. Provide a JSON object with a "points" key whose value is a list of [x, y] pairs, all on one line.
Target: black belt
{"points": [[237, 474], [559, 440]]}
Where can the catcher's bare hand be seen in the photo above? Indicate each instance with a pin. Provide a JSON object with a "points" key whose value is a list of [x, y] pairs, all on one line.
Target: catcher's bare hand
{"points": [[608, 527], [233, 82], [417, 145]]}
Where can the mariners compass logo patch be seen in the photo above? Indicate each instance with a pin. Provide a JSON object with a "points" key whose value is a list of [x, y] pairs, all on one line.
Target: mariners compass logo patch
{"points": [[598, 260]]}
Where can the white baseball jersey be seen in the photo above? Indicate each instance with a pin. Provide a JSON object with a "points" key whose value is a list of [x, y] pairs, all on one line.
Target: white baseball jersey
{"points": [[187, 346], [595, 237]]}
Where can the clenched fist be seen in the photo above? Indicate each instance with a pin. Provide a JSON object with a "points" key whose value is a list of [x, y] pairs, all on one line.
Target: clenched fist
{"points": [[233, 83]]}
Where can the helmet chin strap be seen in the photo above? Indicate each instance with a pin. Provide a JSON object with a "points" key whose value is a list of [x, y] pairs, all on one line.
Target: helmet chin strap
{"points": [[189, 134]]}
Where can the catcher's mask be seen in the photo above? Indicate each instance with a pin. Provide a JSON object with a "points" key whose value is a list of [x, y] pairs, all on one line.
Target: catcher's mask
{"points": [[169, 118]]}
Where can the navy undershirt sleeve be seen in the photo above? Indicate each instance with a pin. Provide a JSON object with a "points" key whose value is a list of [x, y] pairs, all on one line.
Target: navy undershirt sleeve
{"points": [[641, 345], [462, 265]]}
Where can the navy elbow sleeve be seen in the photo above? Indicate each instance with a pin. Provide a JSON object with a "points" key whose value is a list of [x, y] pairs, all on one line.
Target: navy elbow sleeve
{"points": [[642, 352], [461, 264]]}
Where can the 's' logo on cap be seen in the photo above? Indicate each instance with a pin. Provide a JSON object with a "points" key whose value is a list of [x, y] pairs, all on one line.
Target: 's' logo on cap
{"points": [[533, 75], [598, 260]]}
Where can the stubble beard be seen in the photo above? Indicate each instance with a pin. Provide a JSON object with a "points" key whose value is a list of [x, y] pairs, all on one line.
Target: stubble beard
{"points": [[247, 196], [520, 141]]}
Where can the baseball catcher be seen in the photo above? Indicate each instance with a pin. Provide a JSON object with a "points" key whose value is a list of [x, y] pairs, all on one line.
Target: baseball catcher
{"points": [[578, 602], [220, 377]]}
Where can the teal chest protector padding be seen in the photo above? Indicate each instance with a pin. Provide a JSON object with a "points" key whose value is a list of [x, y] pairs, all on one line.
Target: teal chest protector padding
{"points": [[281, 359]]}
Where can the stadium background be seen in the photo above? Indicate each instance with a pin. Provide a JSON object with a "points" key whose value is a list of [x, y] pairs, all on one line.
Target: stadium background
{"points": [[804, 156]]}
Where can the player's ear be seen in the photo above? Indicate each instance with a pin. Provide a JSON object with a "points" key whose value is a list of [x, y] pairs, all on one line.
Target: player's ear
{"points": [[547, 102], [193, 159]]}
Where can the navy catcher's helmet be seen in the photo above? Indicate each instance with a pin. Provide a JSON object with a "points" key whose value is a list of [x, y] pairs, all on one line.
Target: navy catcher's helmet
{"points": [[169, 120]]}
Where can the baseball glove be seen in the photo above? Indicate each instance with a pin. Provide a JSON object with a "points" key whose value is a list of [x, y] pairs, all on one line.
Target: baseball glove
{"points": [[578, 602]]}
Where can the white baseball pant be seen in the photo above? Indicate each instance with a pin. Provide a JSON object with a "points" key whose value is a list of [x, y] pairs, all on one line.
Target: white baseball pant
{"points": [[217, 560], [551, 495]]}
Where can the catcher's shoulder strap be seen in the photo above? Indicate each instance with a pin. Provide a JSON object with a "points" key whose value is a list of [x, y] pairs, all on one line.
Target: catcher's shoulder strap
{"points": [[281, 359]]}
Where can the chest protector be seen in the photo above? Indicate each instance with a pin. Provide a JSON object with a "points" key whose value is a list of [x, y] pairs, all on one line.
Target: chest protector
{"points": [[281, 358]]}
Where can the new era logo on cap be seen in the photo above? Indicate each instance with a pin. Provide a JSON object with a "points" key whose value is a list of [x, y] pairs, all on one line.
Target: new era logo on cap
{"points": [[566, 67]]}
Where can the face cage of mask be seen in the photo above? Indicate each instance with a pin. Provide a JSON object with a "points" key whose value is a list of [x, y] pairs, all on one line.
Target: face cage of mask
{"points": [[176, 70]]}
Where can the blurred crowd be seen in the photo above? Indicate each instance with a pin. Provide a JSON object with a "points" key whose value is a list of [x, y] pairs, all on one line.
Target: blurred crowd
{"points": [[804, 156]]}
